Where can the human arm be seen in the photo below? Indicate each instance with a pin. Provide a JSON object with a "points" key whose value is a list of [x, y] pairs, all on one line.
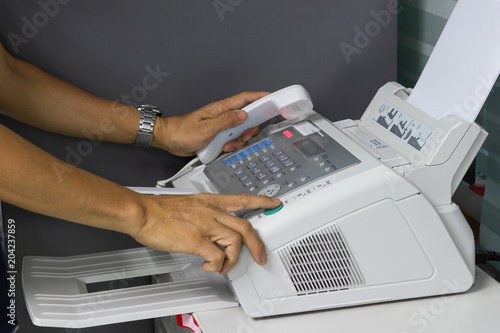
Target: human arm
{"points": [[32, 179], [39, 99]]}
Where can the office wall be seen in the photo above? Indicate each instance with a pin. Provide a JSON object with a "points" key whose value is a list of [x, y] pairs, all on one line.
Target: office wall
{"points": [[198, 52]]}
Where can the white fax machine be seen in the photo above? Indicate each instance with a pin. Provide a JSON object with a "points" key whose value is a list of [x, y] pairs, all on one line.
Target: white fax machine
{"points": [[367, 217]]}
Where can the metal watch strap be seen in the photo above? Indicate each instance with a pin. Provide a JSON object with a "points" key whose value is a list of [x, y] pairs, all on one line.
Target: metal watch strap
{"points": [[146, 125]]}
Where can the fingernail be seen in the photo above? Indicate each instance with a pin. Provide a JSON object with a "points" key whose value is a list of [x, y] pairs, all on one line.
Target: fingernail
{"points": [[241, 115], [276, 200], [263, 258], [230, 150]]}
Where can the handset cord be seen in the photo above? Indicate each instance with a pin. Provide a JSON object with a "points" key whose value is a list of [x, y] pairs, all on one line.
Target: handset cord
{"points": [[188, 167]]}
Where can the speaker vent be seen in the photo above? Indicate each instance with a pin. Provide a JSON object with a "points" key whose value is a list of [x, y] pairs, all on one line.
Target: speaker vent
{"points": [[321, 262]]}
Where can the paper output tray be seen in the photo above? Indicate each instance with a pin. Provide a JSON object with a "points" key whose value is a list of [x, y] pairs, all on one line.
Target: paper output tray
{"points": [[81, 291]]}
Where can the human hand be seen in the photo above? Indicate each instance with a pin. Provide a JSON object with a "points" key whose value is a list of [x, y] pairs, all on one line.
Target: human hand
{"points": [[201, 225], [184, 135]]}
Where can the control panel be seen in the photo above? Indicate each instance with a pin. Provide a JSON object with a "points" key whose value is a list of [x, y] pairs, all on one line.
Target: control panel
{"points": [[282, 162]]}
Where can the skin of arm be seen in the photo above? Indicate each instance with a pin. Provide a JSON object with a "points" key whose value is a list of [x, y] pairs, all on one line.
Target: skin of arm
{"points": [[34, 97]]}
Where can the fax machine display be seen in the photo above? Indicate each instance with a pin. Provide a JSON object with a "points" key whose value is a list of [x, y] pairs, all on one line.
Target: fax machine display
{"points": [[405, 127], [309, 147]]}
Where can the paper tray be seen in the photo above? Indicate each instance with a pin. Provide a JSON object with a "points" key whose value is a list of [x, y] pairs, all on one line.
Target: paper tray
{"points": [[61, 292]]}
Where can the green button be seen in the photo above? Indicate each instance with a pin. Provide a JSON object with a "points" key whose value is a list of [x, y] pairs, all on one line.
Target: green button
{"points": [[273, 211]]}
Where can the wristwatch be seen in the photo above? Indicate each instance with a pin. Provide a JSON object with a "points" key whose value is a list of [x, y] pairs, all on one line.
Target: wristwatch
{"points": [[146, 125]]}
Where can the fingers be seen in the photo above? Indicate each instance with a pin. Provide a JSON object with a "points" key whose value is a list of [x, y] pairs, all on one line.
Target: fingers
{"points": [[249, 237], [207, 228], [230, 231], [241, 141], [183, 135], [236, 202], [226, 113], [238, 101], [221, 251], [214, 256]]}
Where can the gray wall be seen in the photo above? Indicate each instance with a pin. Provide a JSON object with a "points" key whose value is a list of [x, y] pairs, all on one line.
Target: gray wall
{"points": [[210, 50]]}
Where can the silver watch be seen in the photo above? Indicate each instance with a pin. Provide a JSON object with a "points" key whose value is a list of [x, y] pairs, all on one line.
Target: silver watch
{"points": [[146, 125]]}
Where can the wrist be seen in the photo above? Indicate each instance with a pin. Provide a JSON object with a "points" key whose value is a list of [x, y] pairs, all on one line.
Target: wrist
{"points": [[134, 215], [160, 134]]}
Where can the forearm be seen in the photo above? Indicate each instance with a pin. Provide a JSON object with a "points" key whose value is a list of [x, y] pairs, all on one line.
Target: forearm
{"points": [[39, 99], [36, 181]]}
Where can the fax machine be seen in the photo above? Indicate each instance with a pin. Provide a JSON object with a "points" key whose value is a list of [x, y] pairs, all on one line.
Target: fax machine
{"points": [[367, 217]]}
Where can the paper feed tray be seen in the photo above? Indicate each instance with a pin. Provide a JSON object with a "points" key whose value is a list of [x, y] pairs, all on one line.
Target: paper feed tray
{"points": [[58, 287]]}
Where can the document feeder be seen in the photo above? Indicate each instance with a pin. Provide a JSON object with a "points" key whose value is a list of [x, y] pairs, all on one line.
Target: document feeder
{"points": [[367, 217]]}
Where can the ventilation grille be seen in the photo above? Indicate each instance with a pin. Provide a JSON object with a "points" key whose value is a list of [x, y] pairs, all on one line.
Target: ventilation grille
{"points": [[321, 262]]}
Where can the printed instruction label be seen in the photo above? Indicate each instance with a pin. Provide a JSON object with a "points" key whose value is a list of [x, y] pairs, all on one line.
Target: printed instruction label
{"points": [[405, 127]]}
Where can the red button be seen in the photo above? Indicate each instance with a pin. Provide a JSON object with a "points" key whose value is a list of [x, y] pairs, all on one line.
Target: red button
{"points": [[288, 134]]}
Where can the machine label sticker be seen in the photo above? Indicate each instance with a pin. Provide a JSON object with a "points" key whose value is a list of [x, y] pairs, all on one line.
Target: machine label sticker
{"points": [[306, 128], [402, 125]]}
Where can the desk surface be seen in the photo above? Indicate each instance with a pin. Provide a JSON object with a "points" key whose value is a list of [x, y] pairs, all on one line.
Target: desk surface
{"points": [[477, 310]]}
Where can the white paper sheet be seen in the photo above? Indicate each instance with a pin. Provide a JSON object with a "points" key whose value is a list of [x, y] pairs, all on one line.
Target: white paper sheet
{"points": [[465, 63]]}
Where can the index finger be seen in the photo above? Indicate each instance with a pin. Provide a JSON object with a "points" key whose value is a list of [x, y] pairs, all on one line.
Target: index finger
{"points": [[238, 101], [235, 202]]}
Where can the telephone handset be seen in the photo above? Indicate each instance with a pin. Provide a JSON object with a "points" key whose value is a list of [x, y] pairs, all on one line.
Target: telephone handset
{"points": [[290, 102]]}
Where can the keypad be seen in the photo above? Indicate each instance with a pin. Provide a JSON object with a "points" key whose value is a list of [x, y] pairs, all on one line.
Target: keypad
{"points": [[262, 167], [278, 164]]}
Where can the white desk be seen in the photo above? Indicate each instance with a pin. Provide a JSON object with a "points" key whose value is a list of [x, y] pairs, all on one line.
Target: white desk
{"points": [[477, 310]]}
